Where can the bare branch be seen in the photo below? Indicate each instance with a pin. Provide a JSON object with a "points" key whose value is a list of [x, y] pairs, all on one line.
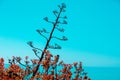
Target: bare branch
{"points": [[63, 5], [30, 43], [46, 19], [51, 22], [64, 22], [39, 31], [55, 13], [63, 38], [65, 17], [35, 51], [38, 49], [43, 30], [59, 6], [60, 29], [56, 46]]}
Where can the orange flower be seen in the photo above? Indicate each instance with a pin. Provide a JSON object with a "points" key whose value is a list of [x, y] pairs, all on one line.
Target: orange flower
{"points": [[1, 60], [15, 68]]}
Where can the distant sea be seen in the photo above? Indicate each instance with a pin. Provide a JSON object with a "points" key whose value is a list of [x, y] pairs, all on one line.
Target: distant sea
{"points": [[101, 73]]}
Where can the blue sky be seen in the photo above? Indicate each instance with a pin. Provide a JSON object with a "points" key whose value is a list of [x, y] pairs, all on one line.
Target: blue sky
{"points": [[93, 29]]}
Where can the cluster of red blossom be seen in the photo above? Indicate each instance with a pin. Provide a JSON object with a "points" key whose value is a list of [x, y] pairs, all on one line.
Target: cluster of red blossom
{"points": [[48, 69]]}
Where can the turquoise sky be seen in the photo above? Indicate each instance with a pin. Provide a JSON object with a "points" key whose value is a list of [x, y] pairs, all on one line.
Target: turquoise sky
{"points": [[93, 29]]}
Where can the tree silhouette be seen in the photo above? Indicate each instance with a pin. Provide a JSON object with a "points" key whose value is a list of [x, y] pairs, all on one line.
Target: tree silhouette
{"points": [[59, 20]]}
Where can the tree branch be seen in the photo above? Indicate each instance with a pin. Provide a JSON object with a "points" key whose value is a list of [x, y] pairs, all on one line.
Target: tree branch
{"points": [[54, 25], [63, 38], [41, 34]]}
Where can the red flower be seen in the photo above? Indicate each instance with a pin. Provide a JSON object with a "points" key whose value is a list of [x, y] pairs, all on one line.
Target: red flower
{"points": [[1, 60]]}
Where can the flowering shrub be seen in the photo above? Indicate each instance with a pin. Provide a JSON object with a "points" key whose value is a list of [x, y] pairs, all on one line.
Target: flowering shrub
{"points": [[50, 69], [47, 66]]}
